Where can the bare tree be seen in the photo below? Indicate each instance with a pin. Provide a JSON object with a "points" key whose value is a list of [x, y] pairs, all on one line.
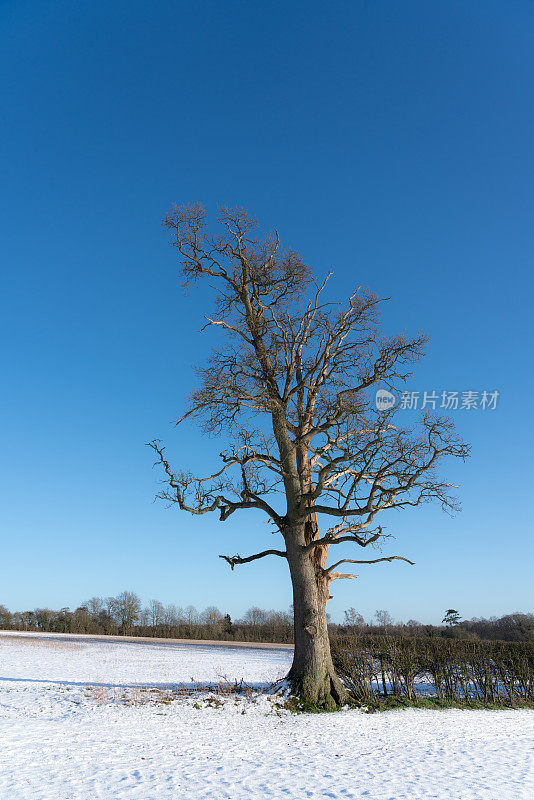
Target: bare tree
{"points": [[212, 616], [291, 382], [155, 613], [353, 619], [95, 606], [256, 616], [127, 608], [172, 615], [110, 607], [191, 615], [384, 618], [6, 618]]}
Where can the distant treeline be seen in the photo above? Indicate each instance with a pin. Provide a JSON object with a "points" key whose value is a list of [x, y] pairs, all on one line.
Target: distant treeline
{"points": [[125, 615], [516, 627]]}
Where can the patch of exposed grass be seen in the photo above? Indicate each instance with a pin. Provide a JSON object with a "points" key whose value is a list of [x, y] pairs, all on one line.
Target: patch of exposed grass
{"points": [[391, 703], [439, 703]]}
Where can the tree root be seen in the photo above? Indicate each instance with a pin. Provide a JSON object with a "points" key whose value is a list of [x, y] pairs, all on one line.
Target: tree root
{"points": [[309, 694]]}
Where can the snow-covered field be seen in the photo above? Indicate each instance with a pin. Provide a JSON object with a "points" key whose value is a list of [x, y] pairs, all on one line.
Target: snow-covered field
{"points": [[76, 723]]}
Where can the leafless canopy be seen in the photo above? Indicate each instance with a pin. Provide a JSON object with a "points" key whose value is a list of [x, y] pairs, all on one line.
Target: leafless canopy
{"points": [[307, 367]]}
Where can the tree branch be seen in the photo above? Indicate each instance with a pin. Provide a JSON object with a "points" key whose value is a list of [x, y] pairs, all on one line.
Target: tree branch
{"points": [[233, 560], [372, 561], [328, 540]]}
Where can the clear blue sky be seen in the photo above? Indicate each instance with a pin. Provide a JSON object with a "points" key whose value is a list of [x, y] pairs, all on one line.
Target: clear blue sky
{"points": [[390, 140]]}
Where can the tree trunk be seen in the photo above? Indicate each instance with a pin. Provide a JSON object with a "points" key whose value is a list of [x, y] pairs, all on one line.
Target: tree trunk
{"points": [[312, 676]]}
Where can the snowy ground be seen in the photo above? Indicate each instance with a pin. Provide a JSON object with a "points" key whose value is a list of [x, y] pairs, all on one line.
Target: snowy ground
{"points": [[60, 740]]}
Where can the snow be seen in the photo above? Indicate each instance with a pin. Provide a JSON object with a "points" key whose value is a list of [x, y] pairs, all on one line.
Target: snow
{"points": [[60, 740], [79, 660]]}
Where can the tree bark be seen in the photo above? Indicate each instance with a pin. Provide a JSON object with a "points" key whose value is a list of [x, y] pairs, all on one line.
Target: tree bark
{"points": [[312, 676]]}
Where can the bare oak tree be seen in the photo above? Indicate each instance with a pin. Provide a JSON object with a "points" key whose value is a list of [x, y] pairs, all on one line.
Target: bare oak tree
{"points": [[126, 609], [291, 382]]}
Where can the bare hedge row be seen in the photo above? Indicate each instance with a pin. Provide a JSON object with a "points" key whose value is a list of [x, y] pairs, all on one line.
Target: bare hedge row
{"points": [[481, 671]]}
